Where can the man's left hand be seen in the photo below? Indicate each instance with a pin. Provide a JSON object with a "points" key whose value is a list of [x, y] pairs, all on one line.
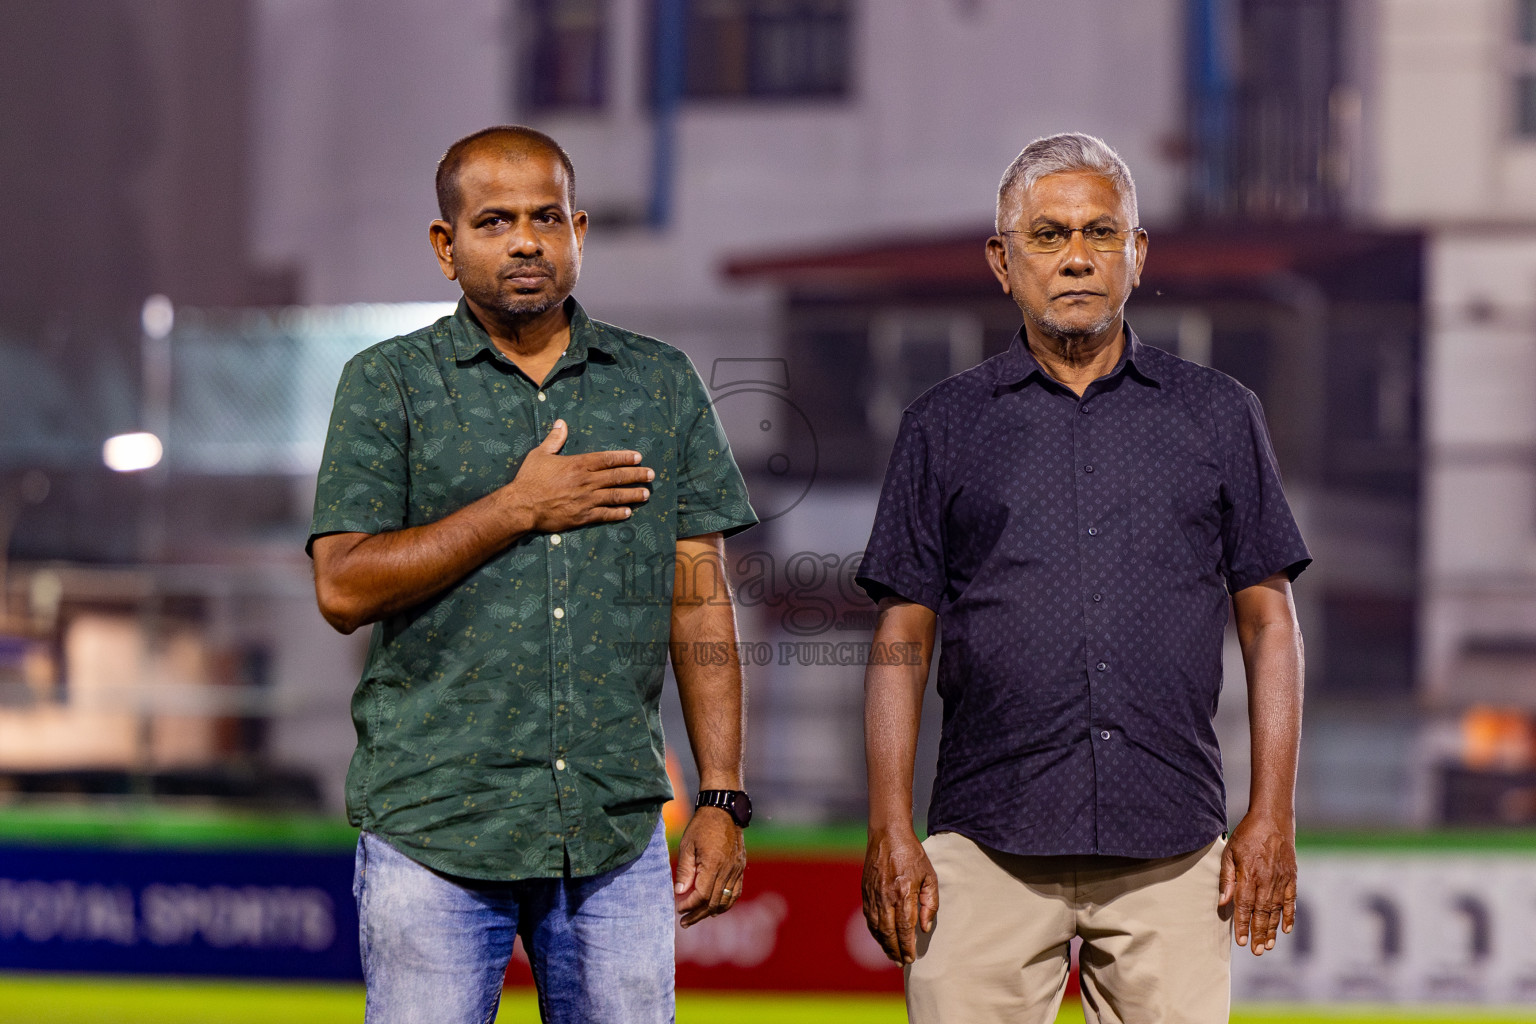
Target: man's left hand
{"points": [[711, 859], [1258, 876]]}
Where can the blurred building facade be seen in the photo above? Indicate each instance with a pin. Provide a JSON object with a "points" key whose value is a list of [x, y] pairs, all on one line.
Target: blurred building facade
{"points": [[797, 192], [1454, 131]]}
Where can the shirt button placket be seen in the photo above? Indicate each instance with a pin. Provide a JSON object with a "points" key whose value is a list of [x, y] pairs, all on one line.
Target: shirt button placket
{"points": [[1083, 451], [560, 650], [1083, 469], [543, 413], [1090, 567]]}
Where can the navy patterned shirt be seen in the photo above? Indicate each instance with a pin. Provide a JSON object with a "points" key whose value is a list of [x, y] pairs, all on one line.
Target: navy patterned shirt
{"points": [[1079, 553]]}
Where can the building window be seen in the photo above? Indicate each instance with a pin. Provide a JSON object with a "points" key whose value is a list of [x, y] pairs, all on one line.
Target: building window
{"points": [[1272, 119], [564, 54], [764, 49], [1524, 65]]}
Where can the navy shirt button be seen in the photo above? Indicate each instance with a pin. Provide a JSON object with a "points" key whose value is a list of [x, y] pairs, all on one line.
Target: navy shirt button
{"points": [[1102, 666], [1097, 598], [1104, 735], [1087, 469], [1083, 408], [1093, 531]]}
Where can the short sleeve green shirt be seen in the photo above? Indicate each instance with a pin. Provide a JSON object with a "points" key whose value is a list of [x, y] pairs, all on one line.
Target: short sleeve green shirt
{"points": [[509, 728]]}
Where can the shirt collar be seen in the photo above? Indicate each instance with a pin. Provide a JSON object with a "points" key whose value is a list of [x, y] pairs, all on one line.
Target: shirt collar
{"points": [[469, 339], [1019, 363]]}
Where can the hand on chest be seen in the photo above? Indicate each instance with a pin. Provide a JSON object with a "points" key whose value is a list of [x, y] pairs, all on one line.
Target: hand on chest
{"points": [[475, 440]]}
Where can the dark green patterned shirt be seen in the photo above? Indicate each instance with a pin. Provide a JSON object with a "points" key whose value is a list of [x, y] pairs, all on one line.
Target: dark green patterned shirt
{"points": [[509, 727]]}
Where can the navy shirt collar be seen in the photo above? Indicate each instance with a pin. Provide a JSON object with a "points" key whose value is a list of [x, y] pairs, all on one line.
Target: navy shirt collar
{"points": [[1019, 363]]}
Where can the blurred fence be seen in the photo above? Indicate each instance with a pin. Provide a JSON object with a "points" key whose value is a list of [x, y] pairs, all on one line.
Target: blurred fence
{"points": [[251, 390]]}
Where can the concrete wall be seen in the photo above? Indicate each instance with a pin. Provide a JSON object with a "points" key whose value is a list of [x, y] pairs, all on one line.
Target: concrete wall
{"points": [[1480, 500], [1446, 158], [1443, 139], [356, 100]]}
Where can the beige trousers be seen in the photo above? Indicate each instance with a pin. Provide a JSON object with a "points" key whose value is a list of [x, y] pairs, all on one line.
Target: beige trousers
{"points": [[1156, 948]]}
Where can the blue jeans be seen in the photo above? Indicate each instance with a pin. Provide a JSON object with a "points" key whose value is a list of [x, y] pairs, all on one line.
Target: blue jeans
{"points": [[435, 949]]}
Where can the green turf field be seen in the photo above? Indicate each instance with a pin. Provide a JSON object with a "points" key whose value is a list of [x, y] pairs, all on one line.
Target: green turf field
{"points": [[137, 825], [55, 999]]}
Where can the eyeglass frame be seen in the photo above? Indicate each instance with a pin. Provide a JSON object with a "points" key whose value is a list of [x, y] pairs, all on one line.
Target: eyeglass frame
{"points": [[1128, 234]]}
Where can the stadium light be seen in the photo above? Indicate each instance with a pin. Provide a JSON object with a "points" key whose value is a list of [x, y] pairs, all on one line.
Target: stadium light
{"points": [[157, 317], [129, 453]]}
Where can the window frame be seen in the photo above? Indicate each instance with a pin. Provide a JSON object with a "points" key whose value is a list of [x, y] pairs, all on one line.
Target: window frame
{"points": [[1522, 71], [751, 24], [535, 24]]}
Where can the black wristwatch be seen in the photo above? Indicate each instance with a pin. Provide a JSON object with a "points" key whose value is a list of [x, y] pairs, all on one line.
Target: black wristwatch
{"points": [[734, 802]]}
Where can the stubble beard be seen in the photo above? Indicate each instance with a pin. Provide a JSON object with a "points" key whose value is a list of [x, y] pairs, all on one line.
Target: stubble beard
{"points": [[524, 307], [512, 307], [1072, 337]]}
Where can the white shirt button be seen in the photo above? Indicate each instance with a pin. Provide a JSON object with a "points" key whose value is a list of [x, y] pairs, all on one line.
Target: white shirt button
{"points": [[559, 613], [554, 539], [1104, 735], [543, 397], [560, 765]]}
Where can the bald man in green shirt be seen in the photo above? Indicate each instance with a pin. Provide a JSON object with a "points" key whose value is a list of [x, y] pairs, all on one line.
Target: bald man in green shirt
{"points": [[493, 487]]}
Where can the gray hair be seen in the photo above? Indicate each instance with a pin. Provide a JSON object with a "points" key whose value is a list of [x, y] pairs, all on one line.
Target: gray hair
{"points": [[1069, 151]]}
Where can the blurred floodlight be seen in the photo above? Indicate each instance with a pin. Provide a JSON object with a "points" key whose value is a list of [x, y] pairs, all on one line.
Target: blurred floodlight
{"points": [[128, 453], [158, 316]]}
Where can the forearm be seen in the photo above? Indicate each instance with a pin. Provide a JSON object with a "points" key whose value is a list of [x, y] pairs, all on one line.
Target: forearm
{"points": [[1274, 666], [893, 702], [706, 662], [891, 716], [360, 578], [1273, 659], [1258, 864]]}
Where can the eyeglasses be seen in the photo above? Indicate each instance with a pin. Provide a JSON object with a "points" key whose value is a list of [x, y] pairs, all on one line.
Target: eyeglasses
{"points": [[1100, 238]]}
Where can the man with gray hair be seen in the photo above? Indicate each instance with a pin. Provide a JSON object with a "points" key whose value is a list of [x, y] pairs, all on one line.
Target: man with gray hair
{"points": [[1079, 512]]}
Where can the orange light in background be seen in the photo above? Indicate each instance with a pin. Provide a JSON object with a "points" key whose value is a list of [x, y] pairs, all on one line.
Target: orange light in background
{"points": [[1497, 739], [675, 812]]}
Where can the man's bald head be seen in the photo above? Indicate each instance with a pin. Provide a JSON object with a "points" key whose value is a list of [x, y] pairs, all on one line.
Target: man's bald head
{"points": [[509, 140]]}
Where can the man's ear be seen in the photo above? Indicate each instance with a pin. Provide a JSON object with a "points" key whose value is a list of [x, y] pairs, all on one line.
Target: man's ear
{"points": [[997, 259], [441, 235]]}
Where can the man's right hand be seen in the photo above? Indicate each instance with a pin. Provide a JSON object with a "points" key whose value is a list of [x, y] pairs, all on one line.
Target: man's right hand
{"points": [[362, 577], [555, 492], [901, 892]]}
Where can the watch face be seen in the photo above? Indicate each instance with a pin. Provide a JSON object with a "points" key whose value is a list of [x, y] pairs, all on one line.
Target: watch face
{"points": [[734, 802], [741, 808]]}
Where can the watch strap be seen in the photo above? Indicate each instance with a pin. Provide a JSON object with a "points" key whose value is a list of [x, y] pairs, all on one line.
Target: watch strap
{"points": [[734, 802]]}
